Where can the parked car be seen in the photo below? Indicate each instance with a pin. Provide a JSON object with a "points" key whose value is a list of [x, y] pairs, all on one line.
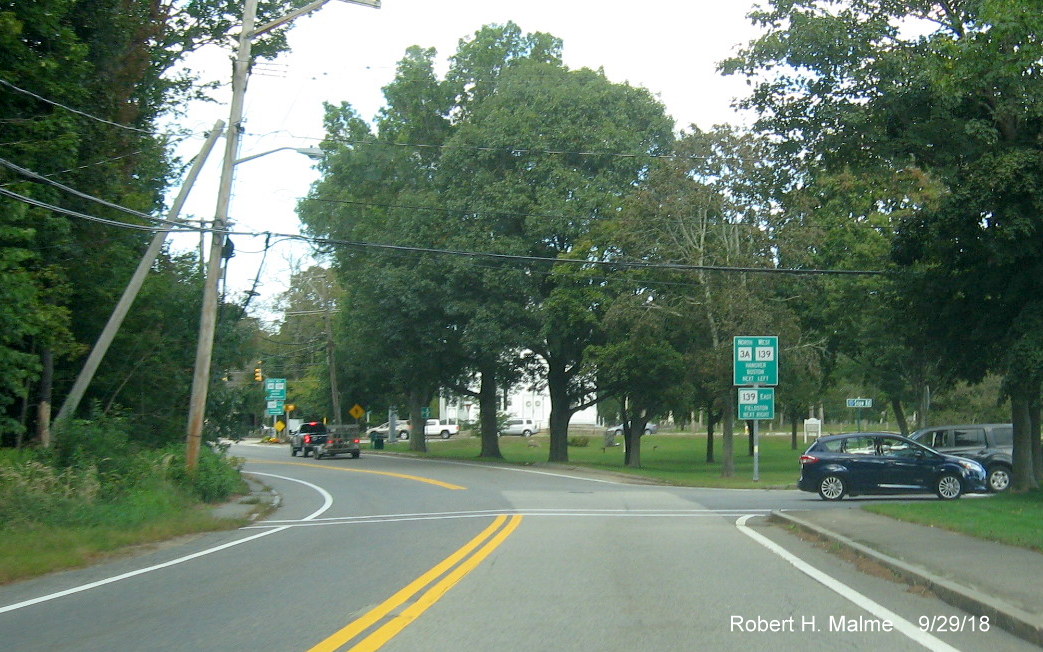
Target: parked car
{"points": [[401, 430], [990, 444], [432, 428], [650, 429], [523, 427], [885, 463]]}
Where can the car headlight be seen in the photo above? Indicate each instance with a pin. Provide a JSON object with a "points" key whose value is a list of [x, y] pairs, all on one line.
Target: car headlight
{"points": [[971, 466]]}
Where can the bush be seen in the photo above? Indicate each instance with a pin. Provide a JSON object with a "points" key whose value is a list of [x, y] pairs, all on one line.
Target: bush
{"points": [[34, 491], [216, 477], [579, 441]]}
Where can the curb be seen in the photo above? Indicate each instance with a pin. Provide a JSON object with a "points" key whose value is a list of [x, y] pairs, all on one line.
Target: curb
{"points": [[1013, 619]]}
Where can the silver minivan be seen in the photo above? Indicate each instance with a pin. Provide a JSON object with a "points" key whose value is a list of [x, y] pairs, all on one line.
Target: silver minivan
{"points": [[523, 427]]}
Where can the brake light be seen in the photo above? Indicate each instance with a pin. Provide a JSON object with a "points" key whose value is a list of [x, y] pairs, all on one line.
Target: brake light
{"points": [[808, 459], [357, 440], [307, 439]]}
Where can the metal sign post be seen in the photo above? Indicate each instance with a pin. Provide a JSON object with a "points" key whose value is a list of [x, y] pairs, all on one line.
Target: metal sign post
{"points": [[858, 404], [755, 361]]}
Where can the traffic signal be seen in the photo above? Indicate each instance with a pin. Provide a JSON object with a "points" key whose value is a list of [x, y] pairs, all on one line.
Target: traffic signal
{"points": [[258, 376]]}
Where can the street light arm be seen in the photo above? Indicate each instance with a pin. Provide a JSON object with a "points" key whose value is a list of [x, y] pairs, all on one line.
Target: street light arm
{"points": [[310, 152], [307, 9]]}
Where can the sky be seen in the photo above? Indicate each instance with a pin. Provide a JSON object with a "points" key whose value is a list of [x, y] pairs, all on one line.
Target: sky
{"points": [[348, 52]]}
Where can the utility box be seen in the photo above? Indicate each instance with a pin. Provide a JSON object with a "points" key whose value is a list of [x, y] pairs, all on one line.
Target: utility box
{"points": [[812, 427]]}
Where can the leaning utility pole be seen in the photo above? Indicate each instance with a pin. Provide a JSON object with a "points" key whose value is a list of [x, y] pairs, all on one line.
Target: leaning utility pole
{"points": [[208, 316], [101, 347]]}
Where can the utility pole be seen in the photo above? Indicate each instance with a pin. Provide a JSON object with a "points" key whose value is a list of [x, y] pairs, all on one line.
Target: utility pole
{"points": [[119, 313], [331, 362], [208, 316]]}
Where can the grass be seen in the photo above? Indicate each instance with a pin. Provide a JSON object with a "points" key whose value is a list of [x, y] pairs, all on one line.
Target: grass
{"points": [[680, 459], [38, 548], [677, 459], [1009, 518]]}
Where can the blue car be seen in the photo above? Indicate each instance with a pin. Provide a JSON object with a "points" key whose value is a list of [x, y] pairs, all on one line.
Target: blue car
{"points": [[885, 463]]}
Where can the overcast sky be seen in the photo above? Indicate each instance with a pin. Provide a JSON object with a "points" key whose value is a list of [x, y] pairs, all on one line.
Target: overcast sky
{"points": [[347, 52]]}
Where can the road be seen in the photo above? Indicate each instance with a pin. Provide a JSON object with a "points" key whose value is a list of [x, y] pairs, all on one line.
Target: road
{"points": [[399, 554]]}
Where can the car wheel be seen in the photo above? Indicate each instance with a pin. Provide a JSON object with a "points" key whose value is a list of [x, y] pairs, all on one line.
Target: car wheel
{"points": [[355, 455], [948, 487], [293, 452], [998, 479], [831, 487], [445, 434], [403, 435], [526, 433], [318, 453]]}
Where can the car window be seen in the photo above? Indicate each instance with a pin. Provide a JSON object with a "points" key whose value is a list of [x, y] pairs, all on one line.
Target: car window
{"points": [[899, 448], [829, 446], [860, 445], [934, 438], [1003, 436], [969, 436]]}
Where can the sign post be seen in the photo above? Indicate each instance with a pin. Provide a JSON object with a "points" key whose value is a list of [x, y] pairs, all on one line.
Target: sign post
{"points": [[858, 404], [755, 361]]}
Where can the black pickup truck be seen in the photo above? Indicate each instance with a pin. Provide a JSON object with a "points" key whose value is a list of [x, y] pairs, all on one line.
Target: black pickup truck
{"points": [[314, 437]]}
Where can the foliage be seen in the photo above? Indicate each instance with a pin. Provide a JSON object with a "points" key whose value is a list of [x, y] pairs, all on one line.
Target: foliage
{"points": [[951, 95]]}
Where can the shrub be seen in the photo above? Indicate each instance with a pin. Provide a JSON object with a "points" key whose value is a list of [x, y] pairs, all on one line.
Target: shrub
{"points": [[216, 476], [579, 441], [37, 492]]}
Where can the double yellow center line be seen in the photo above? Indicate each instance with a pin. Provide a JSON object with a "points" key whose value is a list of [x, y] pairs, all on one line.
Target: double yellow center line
{"points": [[451, 570]]}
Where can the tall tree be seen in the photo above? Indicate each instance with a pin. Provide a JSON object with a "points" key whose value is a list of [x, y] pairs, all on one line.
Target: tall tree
{"points": [[953, 91]]}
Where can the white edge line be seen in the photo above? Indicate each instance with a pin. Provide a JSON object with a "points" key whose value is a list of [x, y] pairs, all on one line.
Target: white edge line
{"points": [[327, 498], [140, 571], [902, 625], [327, 503]]}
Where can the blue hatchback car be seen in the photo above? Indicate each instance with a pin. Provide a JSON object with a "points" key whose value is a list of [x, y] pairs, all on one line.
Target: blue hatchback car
{"points": [[885, 463]]}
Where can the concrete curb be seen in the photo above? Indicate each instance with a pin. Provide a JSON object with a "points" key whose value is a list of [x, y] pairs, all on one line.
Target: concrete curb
{"points": [[1013, 619], [261, 501]]}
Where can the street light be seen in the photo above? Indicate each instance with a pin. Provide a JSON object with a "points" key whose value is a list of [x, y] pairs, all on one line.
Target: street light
{"points": [[208, 315], [313, 153]]}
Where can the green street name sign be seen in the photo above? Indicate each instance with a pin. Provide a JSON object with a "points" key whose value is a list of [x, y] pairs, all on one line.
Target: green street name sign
{"points": [[756, 403], [860, 402], [756, 360]]}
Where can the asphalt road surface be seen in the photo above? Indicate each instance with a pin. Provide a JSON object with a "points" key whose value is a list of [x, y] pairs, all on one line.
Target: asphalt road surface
{"points": [[398, 554]]}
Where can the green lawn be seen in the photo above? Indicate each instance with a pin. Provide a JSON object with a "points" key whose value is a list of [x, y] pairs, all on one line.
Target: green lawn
{"points": [[680, 459], [1011, 518], [669, 458]]}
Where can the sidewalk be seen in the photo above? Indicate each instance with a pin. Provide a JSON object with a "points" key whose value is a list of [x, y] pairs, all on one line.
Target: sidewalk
{"points": [[981, 577]]}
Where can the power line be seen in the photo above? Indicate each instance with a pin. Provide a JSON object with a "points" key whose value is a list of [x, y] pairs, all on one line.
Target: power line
{"points": [[38, 177], [8, 84], [93, 218], [453, 252]]}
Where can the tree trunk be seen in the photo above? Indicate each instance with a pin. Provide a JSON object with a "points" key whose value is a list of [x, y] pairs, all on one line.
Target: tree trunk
{"points": [[903, 424], [1034, 433], [487, 413], [43, 408], [1023, 475], [417, 435], [560, 411], [794, 418], [633, 428], [709, 442]]}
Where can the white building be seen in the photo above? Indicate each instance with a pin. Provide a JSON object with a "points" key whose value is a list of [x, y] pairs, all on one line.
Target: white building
{"points": [[522, 402]]}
